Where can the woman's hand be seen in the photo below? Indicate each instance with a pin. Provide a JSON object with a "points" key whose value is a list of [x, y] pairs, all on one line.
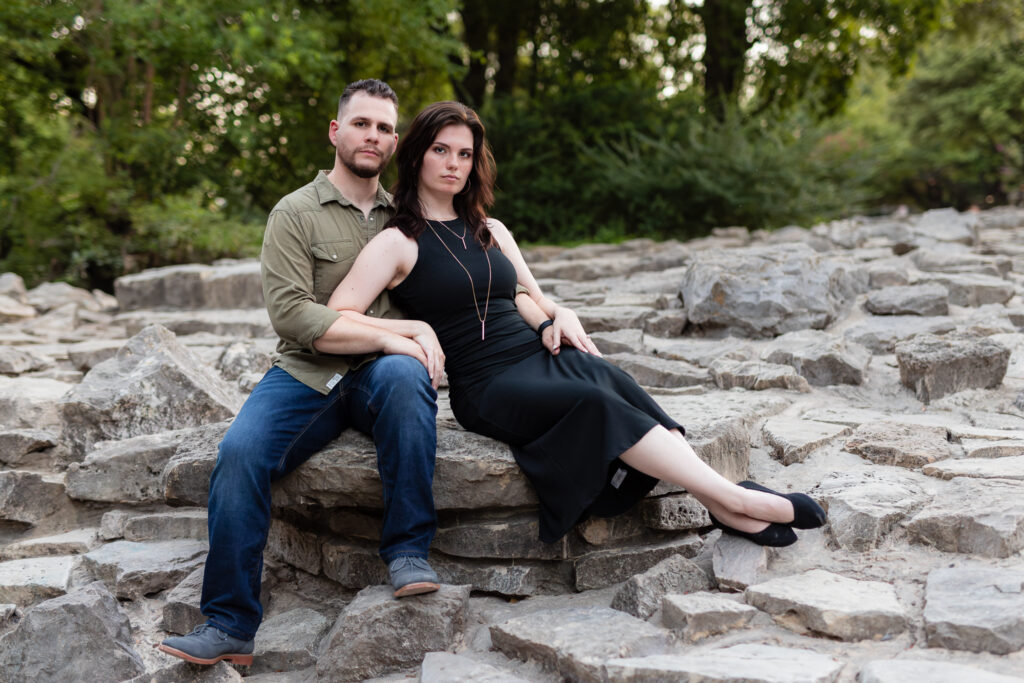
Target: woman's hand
{"points": [[428, 342], [396, 344], [568, 328]]}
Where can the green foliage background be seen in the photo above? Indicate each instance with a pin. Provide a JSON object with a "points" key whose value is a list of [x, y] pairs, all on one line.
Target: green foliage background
{"points": [[137, 133]]}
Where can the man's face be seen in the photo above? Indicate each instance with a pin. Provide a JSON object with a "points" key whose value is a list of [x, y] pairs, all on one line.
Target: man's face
{"points": [[364, 134]]}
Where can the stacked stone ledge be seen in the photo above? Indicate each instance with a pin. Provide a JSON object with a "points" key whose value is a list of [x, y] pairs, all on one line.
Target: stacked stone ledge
{"points": [[794, 357]]}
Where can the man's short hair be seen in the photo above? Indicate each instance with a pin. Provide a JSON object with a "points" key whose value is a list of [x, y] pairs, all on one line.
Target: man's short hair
{"points": [[370, 86]]}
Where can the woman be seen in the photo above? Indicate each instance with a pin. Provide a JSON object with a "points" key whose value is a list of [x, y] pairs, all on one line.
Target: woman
{"points": [[588, 438]]}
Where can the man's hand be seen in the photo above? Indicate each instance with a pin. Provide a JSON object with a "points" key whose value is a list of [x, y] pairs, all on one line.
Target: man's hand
{"points": [[431, 347], [568, 328]]}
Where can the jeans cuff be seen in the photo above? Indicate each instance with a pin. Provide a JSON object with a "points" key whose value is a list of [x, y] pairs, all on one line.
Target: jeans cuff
{"points": [[231, 632], [391, 557]]}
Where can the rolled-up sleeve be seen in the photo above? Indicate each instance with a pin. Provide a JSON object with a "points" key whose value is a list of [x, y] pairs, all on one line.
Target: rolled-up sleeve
{"points": [[287, 266]]}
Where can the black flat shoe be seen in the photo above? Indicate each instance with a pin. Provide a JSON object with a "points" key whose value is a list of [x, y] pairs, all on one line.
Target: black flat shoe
{"points": [[774, 535], [807, 514]]}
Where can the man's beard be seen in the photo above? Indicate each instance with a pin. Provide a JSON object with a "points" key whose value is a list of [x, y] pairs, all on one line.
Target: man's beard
{"points": [[363, 171]]}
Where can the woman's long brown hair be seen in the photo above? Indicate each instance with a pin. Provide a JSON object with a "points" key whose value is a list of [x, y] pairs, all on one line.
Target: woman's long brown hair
{"points": [[471, 204]]}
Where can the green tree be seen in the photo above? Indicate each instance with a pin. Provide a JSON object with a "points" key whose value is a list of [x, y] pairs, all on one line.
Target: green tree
{"points": [[117, 111]]}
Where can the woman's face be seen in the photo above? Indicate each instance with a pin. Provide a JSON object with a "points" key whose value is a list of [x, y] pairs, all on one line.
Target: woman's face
{"points": [[448, 161]]}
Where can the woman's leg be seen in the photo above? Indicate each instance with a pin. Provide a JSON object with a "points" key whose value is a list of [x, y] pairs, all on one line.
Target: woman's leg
{"points": [[666, 455]]}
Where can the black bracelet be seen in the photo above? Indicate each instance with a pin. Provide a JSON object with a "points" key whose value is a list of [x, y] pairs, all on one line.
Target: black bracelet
{"points": [[543, 326]]}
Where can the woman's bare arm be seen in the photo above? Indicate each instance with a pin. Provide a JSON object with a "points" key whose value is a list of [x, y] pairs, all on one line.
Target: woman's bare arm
{"points": [[567, 326]]}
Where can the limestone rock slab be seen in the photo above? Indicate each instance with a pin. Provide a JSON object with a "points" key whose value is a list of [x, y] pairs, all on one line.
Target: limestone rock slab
{"points": [[611, 318], [133, 570], [28, 581], [946, 225], [666, 323], [650, 371], [641, 594], [52, 295], [864, 506], [75, 542], [819, 601], [444, 667], [936, 366], [471, 471], [619, 341], [620, 529], [289, 641], [679, 512], [980, 516], [819, 357], [576, 642], [31, 402], [527, 577], [27, 497], [162, 526], [881, 334], [792, 440], [124, 471], [756, 375], [242, 323], [702, 614], [748, 663], [903, 670], [975, 608], [184, 672], [987, 448], [905, 445], [292, 545], [766, 291], [972, 290], [154, 384], [376, 634], [15, 361], [87, 354], [924, 300], [94, 637], [13, 311], [511, 537], [190, 286], [606, 567], [22, 446], [185, 478], [1011, 467], [737, 562]]}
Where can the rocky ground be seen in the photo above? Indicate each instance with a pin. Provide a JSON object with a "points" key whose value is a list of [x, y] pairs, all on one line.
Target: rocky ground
{"points": [[876, 363]]}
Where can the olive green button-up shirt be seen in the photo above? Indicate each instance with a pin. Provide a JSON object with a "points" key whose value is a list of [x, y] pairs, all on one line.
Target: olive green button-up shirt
{"points": [[313, 236]]}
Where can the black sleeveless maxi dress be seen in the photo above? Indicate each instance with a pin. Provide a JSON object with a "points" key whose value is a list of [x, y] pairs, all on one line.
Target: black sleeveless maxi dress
{"points": [[567, 417]]}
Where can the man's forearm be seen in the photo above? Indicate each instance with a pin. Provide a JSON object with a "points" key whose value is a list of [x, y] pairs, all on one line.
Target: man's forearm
{"points": [[349, 337], [405, 328]]}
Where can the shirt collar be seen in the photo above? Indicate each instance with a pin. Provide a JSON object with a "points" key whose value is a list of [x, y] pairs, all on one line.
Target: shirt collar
{"points": [[327, 192]]}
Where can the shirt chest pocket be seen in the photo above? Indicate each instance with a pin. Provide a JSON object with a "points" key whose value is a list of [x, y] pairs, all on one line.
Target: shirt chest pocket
{"points": [[331, 262]]}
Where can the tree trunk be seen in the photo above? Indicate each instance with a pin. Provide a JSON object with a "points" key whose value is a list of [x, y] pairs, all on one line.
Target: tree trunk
{"points": [[726, 45], [476, 36]]}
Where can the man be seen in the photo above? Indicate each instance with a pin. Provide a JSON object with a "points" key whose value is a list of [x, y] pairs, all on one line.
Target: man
{"points": [[376, 373]]}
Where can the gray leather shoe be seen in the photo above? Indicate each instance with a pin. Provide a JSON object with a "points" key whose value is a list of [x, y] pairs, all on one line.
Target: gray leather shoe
{"points": [[208, 645], [412, 576]]}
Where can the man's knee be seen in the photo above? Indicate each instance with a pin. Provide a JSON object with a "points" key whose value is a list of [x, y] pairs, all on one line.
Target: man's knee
{"points": [[401, 371], [401, 383], [240, 453]]}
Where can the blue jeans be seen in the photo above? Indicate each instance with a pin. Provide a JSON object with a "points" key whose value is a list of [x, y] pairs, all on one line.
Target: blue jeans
{"points": [[281, 425]]}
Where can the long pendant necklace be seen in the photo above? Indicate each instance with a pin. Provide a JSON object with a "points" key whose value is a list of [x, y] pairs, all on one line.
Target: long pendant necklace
{"points": [[487, 301], [444, 225]]}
